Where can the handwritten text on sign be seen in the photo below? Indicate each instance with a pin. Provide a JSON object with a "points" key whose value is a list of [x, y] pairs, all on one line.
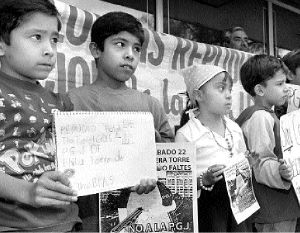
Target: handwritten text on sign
{"points": [[106, 150]]}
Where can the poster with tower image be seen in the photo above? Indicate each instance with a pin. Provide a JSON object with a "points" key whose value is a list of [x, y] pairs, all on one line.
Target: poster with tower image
{"points": [[170, 207]]}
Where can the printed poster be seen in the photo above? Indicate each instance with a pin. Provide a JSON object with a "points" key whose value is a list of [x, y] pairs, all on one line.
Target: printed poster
{"points": [[294, 97], [290, 144], [170, 207], [105, 150], [239, 186]]}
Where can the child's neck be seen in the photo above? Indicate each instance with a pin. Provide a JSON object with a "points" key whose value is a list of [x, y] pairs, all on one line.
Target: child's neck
{"points": [[214, 122], [262, 102], [104, 81], [20, 77]]}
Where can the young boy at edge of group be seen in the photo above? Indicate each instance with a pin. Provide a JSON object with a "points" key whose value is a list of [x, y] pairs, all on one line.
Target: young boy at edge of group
{"points": [[264, 78], [292, 61], [33, 196], [116, 43]]}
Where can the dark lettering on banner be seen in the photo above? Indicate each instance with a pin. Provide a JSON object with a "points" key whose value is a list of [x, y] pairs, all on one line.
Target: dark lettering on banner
{"points": [[227, 56], [234, 54], [194, 54], [133, 82], [61, 73], [74, 62], [180, 52], [161, 48], [94, 71], [143, 55], [218, 56], [87, 25], [210, 54], [176, 100], [241, 61], [50, 84]]}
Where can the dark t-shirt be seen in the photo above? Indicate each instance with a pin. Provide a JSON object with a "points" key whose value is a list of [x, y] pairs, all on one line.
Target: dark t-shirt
{"points": [[27, 151]]}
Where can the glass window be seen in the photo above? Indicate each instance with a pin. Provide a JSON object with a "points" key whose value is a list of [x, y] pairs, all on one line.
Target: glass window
{"points": [[286, 38], [207, 21]]}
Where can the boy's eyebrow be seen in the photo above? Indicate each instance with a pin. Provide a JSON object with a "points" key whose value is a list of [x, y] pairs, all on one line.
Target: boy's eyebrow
{"points": [[56, 33], [125, 40]]}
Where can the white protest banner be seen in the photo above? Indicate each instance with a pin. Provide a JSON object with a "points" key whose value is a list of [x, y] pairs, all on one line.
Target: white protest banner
{"points": [[239, 186], [106, 150], [290, 144], [162, 57]]}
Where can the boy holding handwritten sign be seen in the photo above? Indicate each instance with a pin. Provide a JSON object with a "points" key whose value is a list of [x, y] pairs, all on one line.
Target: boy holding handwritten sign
{"points": [[33, 196], [264, 77], [116, 43]]}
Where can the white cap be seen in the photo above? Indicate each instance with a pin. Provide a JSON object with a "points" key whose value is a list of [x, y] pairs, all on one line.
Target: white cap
{"points": [[197, 75]]}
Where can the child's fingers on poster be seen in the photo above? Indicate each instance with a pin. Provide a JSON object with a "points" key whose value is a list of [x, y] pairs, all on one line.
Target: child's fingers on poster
{"points": [[218, 173], [42, 196], [286, 171], [57, 176], [157, 136], [51, 199], [56, 181], [216, 168], [69, 172], [145, 186], [281, 161]]}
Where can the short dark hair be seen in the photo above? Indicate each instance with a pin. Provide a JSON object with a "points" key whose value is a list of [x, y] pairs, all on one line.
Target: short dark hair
{"points": [[113, 23], [292, 60], [258, 69], [13, 12]]}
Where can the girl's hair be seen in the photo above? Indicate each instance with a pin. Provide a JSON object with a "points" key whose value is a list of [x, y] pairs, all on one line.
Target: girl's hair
{"points": [[14, 12], [184, 115]]}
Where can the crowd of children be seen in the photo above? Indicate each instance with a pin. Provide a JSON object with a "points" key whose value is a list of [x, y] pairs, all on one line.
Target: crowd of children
{"points": [[34, 199]]}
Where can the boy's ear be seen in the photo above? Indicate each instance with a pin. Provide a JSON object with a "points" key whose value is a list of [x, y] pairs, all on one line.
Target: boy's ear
{"points": [[198, 94], [2, 47], [259, 90], [95, 51]]}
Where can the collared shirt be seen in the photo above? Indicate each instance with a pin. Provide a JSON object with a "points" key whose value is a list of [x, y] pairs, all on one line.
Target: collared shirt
{"points": [[212, 148], [258, 130]]}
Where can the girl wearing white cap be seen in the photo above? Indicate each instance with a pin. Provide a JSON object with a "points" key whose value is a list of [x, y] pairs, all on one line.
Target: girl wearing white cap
{"points": [[217, 139]]}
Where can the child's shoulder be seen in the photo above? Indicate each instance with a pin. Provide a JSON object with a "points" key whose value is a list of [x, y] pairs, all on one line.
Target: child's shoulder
{"points": [[81, 90], [253, 112], [193, 129], [232, 125]]}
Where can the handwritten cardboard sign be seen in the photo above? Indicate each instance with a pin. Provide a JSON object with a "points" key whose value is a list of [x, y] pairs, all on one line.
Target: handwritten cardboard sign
{"points": [[106, 150]]}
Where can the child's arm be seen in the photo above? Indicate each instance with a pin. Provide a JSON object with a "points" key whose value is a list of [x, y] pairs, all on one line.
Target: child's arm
{"points": [[164, 133], [51, 189], [261, 140]]}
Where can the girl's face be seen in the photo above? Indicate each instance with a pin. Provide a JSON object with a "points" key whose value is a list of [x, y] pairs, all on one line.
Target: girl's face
{"points": [[215, 96]]}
